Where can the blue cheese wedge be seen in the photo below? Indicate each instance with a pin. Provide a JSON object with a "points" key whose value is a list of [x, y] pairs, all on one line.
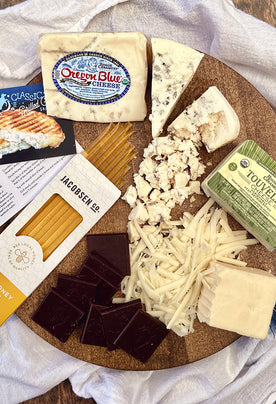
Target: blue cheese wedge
{"points": [[210, 118], [96, 77], [174, 65], [238, 299]]}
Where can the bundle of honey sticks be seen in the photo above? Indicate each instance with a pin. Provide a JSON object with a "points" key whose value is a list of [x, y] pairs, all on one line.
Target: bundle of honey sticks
{"points": [[110, 153]]}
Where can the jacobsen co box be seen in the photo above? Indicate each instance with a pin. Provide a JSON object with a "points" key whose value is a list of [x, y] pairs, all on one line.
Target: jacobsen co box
{"points": [[75, 199]]}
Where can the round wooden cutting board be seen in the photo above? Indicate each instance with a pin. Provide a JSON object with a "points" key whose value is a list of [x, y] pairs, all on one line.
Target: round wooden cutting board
{"points": [[258, 122]]}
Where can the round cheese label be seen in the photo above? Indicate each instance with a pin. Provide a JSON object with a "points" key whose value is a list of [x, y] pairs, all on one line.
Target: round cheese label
{"points": [[91, 78]]}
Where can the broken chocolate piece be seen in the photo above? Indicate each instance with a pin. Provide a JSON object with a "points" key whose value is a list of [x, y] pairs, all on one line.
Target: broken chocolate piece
{"points": [[105, 291], [104, 270], [113, 248], [57, 315], [115, 319], [93, 332], [87, 274], [141, 336], [80, 292]]}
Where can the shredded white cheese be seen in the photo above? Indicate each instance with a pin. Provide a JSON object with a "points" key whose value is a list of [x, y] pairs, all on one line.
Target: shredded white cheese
{"points": [[169, 263]]}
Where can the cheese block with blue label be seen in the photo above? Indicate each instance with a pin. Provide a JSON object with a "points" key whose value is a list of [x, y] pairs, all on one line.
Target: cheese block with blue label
{"points": [[96, 77], [173, 67]]}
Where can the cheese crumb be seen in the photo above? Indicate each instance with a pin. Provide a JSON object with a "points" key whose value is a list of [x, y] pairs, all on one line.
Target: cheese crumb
{"points": [[166, 177]]}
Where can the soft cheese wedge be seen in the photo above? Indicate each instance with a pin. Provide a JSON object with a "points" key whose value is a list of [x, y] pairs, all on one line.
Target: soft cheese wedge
{"points": [[174, 65], [238, 299], [210, 118], [96, 77]]}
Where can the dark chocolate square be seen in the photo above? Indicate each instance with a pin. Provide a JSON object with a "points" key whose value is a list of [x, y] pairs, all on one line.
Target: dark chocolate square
{"points": [[141, 336], [78, 291], [115, 319], [93, 332], [113, 248], [105, 291], [104, 270], [86, 274], [57, 315]]}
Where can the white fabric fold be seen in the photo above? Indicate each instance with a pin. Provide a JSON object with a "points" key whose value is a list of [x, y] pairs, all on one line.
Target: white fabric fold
{"points": [[29, 366], [24, 23], [215, 27], [202, 381], [245, 371]]}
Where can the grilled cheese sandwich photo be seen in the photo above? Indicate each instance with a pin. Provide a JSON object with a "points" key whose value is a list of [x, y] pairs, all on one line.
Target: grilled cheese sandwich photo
{"points": [[22, 129]]}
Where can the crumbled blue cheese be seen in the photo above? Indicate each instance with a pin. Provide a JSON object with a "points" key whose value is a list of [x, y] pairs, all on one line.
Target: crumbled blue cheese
{"points": [[130, 196], [171, 166], [166, 177], [142, 186], [139, 213]]}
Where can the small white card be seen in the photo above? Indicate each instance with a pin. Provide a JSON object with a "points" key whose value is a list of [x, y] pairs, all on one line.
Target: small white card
{"points": [[21, 182]]}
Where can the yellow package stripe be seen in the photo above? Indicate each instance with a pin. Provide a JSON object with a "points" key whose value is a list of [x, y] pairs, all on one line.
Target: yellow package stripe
{"points": [[10, 298]]}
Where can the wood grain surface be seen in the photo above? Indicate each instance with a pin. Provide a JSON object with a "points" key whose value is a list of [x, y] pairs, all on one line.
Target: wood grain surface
{"points": [[262, 9], [258, 121]]}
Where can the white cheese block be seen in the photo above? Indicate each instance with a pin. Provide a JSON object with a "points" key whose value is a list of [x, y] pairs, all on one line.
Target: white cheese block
{"points": [[212, 117], [238, 299], [103, 80], [174, 65]]}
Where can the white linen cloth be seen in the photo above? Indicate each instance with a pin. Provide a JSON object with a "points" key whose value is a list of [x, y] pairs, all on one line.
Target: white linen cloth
{"points": [[244, 372]]}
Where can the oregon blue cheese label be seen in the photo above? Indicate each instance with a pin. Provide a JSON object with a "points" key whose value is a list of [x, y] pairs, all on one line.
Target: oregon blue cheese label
{"points": [[91, 78]]}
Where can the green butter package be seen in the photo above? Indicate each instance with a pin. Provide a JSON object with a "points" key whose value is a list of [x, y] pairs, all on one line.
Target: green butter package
{"points": [[244, 184]]}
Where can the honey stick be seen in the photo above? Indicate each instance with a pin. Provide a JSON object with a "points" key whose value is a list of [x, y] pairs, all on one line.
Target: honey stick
{"points": [[118, 177], [40, 214], [110, 153], [61, 233], [100, 146], [119, 160], [114, 158], [54, 224], [47, 220], [115, 144], [101, 140]]}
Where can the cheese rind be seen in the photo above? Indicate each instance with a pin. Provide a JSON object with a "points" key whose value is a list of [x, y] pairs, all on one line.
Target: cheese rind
{"points": [[211, 117], [238, 299], [128, 48], [174, 65]]}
